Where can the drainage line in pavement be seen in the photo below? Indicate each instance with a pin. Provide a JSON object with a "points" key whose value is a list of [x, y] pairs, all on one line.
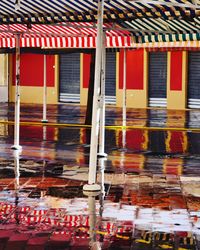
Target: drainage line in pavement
{"points": [[112, 127]]}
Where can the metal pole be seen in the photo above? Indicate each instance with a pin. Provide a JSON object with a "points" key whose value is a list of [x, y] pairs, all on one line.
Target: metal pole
{"points": [[44, 119], [92, 186], [102, 101], [16, 145], [124, 103], [92, 219]]}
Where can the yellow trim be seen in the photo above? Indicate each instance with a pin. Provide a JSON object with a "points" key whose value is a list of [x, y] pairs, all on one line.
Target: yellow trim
{"points": [[10, 80], [185, 75], [168, 79], [83, 91], [146, 74], [119, 92], [4, 68], [57, 80]]}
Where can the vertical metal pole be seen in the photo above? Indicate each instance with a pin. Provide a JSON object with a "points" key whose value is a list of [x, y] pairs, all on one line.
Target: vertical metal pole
{"points": [[124, 103], [102, 101], [16, 145], [96, 109], [92, 219], [44, 119]]}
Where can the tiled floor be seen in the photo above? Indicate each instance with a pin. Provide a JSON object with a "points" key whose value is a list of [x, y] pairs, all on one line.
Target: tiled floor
{"points": [[152, 183]]}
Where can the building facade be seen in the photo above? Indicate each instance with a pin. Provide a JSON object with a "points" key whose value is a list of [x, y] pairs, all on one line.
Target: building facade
{"points": [[159, 78]]}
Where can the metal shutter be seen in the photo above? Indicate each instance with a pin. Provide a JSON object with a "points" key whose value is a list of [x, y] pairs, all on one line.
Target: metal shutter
{"points": [[194, 80], [69, 77], [110, 81], [157, 79]]}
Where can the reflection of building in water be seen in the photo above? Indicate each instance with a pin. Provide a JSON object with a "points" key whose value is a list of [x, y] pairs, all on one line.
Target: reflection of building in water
{"points": [[128, 162], [3, 130], [176, 142], [173, 166], [176, 118], [136, 139]]}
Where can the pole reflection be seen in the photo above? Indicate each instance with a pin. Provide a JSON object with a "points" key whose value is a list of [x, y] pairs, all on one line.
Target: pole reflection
{"points": [[16, 184]]}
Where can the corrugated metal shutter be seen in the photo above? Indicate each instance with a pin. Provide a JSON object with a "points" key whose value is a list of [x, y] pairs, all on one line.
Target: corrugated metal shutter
{"points": [[157, 79], [110, 81], [194, 80], [69, 77]]}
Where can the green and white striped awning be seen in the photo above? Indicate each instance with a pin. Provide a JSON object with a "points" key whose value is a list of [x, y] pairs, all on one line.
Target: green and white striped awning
{"points": [[160, 30]]}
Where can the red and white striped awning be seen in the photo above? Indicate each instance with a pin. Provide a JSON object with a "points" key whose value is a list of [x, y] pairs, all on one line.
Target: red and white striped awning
{"points": [[82, 35]]}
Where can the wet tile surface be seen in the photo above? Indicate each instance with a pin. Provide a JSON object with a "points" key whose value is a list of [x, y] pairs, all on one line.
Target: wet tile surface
{"points": [[151, 181]]}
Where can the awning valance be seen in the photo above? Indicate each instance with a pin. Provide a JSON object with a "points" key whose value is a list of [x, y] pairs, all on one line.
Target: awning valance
{"points": [[178, 21], [65, 42], [82, 35]]}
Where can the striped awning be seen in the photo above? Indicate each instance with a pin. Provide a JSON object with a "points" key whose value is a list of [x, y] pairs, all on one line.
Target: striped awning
{"points": [[53, 24], [73, 35], [160, 30], [45, 11]]}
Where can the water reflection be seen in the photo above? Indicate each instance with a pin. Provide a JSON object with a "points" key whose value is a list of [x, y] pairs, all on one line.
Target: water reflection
{"points": [[144, 150], [137, 211]]}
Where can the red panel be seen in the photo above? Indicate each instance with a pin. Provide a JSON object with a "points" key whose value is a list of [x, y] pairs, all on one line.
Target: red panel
{"points": [[32, 70], [176, 70], [86, 70], [134, 71], [121, 72]]}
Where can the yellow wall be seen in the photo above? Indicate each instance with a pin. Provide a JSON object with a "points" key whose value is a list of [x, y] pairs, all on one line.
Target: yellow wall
{"points": [[30, 94], [83, 91], [134, 98], [177, 99]]}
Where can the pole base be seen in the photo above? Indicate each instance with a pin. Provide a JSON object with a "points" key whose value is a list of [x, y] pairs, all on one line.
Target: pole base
{"points": [[101, 155], [91, 189], [44, 121], [16, 147]]}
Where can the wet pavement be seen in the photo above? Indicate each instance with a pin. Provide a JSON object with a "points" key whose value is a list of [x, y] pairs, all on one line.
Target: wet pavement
{"points": [[150, 181]]}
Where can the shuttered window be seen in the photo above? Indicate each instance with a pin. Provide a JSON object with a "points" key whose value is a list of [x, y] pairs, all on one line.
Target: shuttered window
{"points": [[194, 80], [69, 77], [157, 78], [110, 81]]}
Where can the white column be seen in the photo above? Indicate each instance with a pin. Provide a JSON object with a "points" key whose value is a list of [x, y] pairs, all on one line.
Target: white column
{"points": [[44, 119], [101, 152], [124, 103], [16, 145], [92, 186]]}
